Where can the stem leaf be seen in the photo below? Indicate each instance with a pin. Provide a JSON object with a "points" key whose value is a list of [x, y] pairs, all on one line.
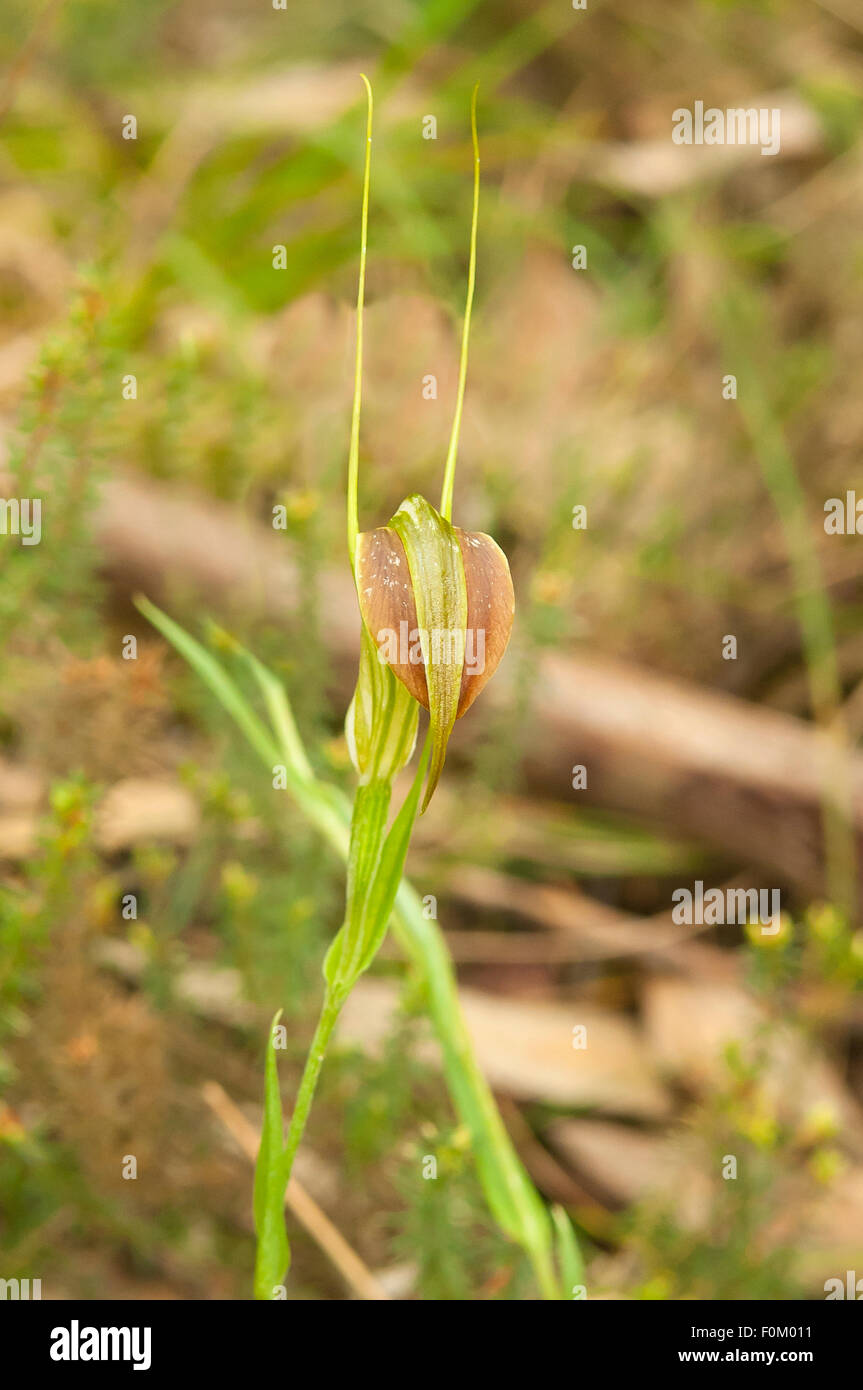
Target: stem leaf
{"points": [[273, 1252]]}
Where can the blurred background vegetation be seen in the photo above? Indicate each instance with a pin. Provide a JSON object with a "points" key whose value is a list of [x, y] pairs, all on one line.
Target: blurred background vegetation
{"points": [[599, 387]]}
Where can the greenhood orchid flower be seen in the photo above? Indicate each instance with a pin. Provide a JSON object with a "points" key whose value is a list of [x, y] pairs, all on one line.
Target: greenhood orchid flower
{"points": [[436, 602]]}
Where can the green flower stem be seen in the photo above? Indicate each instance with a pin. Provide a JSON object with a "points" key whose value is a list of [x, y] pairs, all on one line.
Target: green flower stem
{"points": [[330, 1011]]}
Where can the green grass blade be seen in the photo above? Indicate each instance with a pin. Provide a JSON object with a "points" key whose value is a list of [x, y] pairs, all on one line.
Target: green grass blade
{"points": [[281, 716], [569, 1259], [325, 806], [214, 676]]}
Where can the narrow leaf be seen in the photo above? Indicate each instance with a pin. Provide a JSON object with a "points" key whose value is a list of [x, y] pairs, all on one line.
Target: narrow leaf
{"points": [[371, 899], [212, 674], [322, 803], [569, 1259], [281, 715], [368, 825], [382, 895], [273, 1252]]}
